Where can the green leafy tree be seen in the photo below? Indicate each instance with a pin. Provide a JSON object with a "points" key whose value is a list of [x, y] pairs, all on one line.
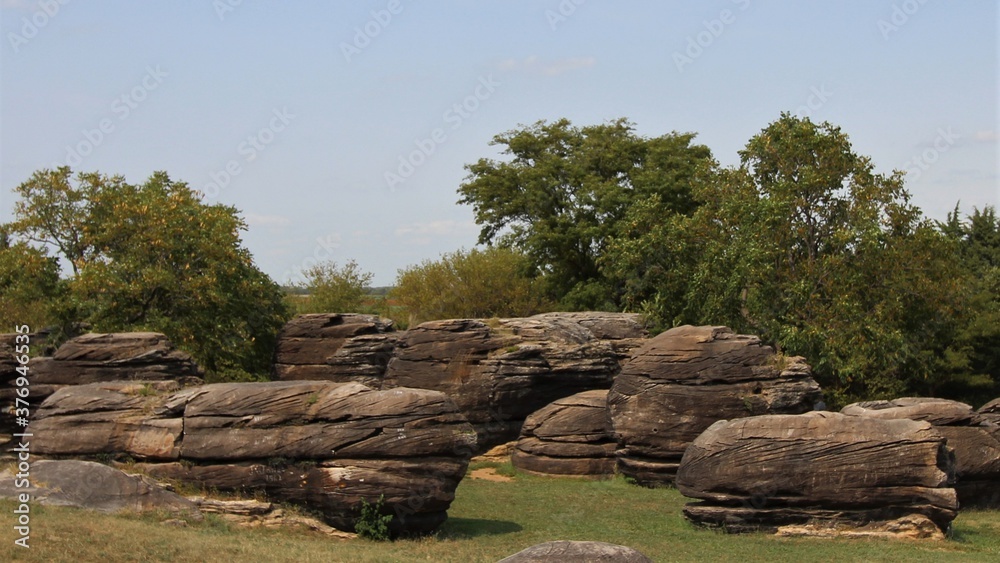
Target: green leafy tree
{"points": [[154, 257], [494, 282], [562, 191], [336, 289], [978, 240], [29, 285], [805, 245]]}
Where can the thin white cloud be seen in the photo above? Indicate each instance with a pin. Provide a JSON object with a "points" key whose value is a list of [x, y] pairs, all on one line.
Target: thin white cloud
{"points": [[441, 228], [256, 220], [549, 68]]}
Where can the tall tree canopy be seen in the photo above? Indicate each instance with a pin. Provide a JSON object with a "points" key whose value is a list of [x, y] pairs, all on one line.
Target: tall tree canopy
{"points": [[562, 191], [805, 245], [978, 240], [153, 256]]}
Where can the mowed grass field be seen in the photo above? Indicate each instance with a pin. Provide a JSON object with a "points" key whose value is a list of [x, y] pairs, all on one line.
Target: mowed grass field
{"points": [[488, 521]]}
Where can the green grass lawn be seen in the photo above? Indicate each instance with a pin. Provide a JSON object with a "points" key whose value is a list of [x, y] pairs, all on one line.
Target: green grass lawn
{"points": [[488, 521]]}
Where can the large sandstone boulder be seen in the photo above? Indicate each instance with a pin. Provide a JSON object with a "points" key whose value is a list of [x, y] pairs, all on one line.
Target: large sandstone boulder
{"points": [[680, 382], [335, 347], [85, 484], [500, 371], [577, 551], [90, 358], [320, 444], [571, 436], [975, 441], [761, 473]]}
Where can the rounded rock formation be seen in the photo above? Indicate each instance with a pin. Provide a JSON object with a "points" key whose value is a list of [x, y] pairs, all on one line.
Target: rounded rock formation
{"points": [[764, 472], [680, 382], [570, 437]]}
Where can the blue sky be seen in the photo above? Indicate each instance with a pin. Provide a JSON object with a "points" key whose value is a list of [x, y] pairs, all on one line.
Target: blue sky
{"points": [[299, 113]]}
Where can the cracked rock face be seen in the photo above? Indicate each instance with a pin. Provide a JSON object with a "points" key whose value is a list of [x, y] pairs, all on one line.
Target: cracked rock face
{"points": [[823, 469], [571, 436], [335, 347], [682, 381], [90, 358], [500, 371], [973, 438], [320, 444]]}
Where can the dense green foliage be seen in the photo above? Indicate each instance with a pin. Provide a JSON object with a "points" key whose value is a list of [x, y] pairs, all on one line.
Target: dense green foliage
{"points": [[334, 289], [29, 285], [806, 246], [564, 189], [152, 256], [976, 370], [493, 282]]}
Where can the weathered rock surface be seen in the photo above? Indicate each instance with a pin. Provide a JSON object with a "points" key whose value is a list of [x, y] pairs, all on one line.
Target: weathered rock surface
{"points": [[335, 347], [991, 411], [500, 371], [975, 441], [939, 412], [577, 551], [126, 356], [108, 418], [827, 469], [320, 444], [680, 382], [571, 436], [910, 527], [94, 486], [623, 331]]}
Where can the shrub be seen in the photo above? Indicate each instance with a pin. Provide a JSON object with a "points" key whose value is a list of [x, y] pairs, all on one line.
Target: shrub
{"points": [[372, 524], [494, 282]]}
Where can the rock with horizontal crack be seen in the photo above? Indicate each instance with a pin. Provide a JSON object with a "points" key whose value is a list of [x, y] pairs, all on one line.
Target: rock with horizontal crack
{"points": [[683, 380], [570, 437], [973, 438], [821, 468], [125, 356], [335, 347]]}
